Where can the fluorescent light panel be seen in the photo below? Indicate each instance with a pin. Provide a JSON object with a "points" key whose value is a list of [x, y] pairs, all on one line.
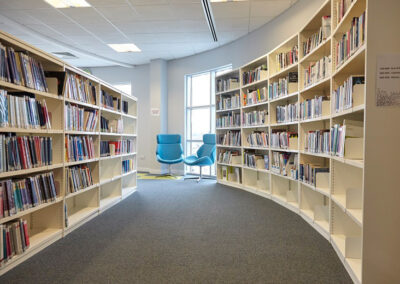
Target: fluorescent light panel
{"points": [[124, 47], [68, 3]]}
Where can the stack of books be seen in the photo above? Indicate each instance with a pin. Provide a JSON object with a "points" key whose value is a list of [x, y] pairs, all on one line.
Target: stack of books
{"points": [[79, 148], [78, 178]]}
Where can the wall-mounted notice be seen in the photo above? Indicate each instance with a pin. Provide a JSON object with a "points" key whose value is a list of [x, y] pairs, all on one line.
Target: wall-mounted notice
{"points": [[155, 112], [388, 80]]}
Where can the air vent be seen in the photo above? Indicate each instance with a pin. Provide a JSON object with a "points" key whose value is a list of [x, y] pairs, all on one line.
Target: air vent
{"points": [[64, 55], [209, 17]]}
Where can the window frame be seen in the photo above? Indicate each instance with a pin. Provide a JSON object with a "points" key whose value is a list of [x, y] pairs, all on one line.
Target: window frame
{"points": [[188, 88]]}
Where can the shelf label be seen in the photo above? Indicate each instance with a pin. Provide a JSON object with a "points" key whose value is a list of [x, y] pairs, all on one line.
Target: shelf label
{"points": [[388, 80]]}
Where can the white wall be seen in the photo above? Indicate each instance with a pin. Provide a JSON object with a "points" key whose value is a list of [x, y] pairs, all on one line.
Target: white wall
{"points": [[236, 53], [139, 78]]}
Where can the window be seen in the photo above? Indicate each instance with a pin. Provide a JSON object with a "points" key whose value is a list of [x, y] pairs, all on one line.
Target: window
{"points": [[200, 112], [124, 87]]}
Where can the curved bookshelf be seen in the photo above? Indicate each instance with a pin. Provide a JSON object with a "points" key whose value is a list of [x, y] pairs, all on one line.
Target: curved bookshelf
{"points": [[331, 204]]}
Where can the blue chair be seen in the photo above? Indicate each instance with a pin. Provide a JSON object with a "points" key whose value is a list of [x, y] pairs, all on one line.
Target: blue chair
{"points": [[205, 155], [169, 149]]}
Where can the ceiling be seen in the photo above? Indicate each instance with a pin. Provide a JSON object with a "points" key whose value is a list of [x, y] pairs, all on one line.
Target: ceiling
{"points": [[165, 29]]}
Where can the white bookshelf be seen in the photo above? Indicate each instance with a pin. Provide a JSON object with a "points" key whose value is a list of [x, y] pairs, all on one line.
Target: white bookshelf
{"points": [[338, 205], [51, 221]]}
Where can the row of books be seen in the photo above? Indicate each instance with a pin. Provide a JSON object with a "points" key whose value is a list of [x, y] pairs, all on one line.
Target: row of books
{"points": [[230, 157], [112, 148], [80, 119], [314, 108], [14, 239], [308, 173], [227, 84], [23, 111], [342, 6], [317, 71], [228, 120], [127, 166], [285, 164], [258, 139], [344, 95], [257, 74], [287, 113], [316, 39], [24, 152], [127, 146], [231, 174], [255, 96], [230, 138], [317, 141], [21, 194], [111, 125], [231, 102], [80, 89], [125, 107], [351, 40], [288, 58], [254, 118], [110, 102], [284, 140], [351, 130], [79, 148], [21, 69], [258, 161], [284, 86], [78, 178]]}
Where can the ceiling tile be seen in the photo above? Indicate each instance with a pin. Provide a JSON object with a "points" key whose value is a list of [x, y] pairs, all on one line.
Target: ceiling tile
{"points": [[116, 13], [188, 11], [268, 8], [154, 12], [224, 10]]}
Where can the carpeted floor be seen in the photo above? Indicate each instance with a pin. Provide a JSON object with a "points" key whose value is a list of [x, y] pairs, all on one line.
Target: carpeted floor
{"points": [[175, 231]]}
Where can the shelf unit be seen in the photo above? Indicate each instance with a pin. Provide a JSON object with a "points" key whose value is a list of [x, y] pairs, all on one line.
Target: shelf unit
{"points": [[339, 202], [51, 221]]}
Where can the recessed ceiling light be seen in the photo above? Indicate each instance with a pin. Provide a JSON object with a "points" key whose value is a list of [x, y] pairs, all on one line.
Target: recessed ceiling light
{"points": [[124, 47], [68, 3]]}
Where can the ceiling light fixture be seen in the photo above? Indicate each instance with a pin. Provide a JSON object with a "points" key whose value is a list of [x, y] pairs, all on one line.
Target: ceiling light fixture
{"points": [[124, 47], [209, 17], [68, 3]]}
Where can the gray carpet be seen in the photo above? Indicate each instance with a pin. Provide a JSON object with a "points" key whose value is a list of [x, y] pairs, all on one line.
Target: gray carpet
{"points": [[184, 232]]}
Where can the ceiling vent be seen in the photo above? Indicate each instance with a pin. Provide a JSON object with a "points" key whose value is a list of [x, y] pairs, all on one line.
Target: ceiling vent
{"points": [[65, 55], [210, 18]]}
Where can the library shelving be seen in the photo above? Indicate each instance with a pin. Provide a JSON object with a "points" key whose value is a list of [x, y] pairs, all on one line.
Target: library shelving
{"points": [[317, 86], [81, 182]]}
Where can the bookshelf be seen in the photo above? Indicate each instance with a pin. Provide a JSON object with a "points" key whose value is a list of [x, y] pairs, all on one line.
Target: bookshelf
{"points": [[330, 190], [102, 181]]}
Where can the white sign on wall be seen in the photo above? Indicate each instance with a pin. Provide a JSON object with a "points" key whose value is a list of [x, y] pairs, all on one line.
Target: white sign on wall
{"points": [[388, 80], [155, 112]]}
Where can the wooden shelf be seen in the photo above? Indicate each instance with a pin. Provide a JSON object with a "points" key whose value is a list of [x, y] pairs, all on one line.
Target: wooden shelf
{"points": [[89, 105], [228, 91], [29, 211], [256, 105], [256, 83], [230, 165], [17, 88], [288, 96], [46, 221], [81, 215], [227, 110]]}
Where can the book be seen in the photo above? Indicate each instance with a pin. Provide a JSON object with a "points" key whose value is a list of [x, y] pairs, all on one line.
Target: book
{"points": [[258, 139], [230, 138], [78, 88], [127, 165], [110, 102], [285, 59], [80, 119], [78, 178], [253, 118], [24, 152], [79, 148], [21, 110], [254, 75], [287, 113], [14, 239]]}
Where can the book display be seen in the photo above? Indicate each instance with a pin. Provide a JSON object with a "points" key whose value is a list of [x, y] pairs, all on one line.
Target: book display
{"points": [[67, 149], [304, 139]]}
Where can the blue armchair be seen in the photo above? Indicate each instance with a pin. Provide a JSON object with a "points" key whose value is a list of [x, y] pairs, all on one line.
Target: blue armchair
{"points": [[205, 155], [169, 149]]}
